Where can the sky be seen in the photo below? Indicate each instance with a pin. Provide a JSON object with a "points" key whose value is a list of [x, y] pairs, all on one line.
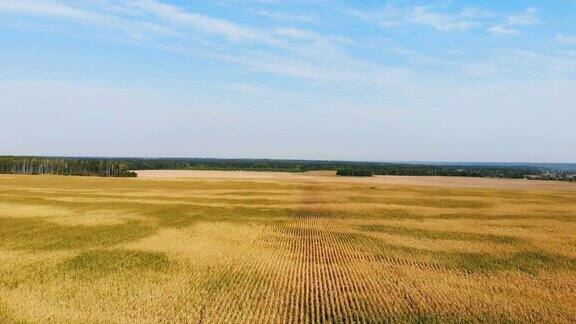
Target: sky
{"points": [[326, 79]]}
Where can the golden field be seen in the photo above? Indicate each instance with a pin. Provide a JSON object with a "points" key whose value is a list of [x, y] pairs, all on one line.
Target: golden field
{"points": [[272, 247]]}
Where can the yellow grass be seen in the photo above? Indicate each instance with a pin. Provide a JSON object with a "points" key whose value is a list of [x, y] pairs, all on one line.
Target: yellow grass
{"points": [[273, 247]]}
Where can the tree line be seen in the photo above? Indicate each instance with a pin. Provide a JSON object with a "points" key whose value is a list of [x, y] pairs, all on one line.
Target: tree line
{"points": [[354, 172], [122, 167], [66, 166]]}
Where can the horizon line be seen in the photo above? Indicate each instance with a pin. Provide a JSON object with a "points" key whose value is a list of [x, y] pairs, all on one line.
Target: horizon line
{"points": [[286, 159]]}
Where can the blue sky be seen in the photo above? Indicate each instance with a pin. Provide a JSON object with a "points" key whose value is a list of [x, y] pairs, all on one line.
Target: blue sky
{"points": [[324, 79]]}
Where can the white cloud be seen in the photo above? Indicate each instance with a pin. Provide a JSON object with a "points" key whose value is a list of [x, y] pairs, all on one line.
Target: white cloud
{"points": [[316, 39], [439, 21], [294, 52], [105, 20], [49, 8], [132, 14], [175, 15], [527, 17], [502, 30], [178, 30], [476, 13], [566, 39], [391, 16], [284, 16]]}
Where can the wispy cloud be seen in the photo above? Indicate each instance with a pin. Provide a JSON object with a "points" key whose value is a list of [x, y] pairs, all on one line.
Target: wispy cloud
{"points": [[49, 8], [175, 15], [511, 22], [156, 16], [292, 52], [288, 51], [502, 30], [393, 16], [285, 16], [524, 18], [439, 21], [566, 39], [105, 20]]}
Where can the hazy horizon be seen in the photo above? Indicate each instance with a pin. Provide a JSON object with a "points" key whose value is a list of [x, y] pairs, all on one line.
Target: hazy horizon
{"points": [[297, 159], [426, 81]]}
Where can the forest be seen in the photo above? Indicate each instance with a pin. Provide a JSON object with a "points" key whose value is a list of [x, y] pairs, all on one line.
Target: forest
{"points": [[354, 172], [65, 166], [122, 167]]}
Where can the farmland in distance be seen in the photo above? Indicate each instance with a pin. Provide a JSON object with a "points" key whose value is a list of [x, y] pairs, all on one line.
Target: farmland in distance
{"points": [[203, 246]]}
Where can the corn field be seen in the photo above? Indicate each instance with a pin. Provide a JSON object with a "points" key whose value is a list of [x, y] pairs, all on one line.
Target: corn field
{"points": [[283, 249]]}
